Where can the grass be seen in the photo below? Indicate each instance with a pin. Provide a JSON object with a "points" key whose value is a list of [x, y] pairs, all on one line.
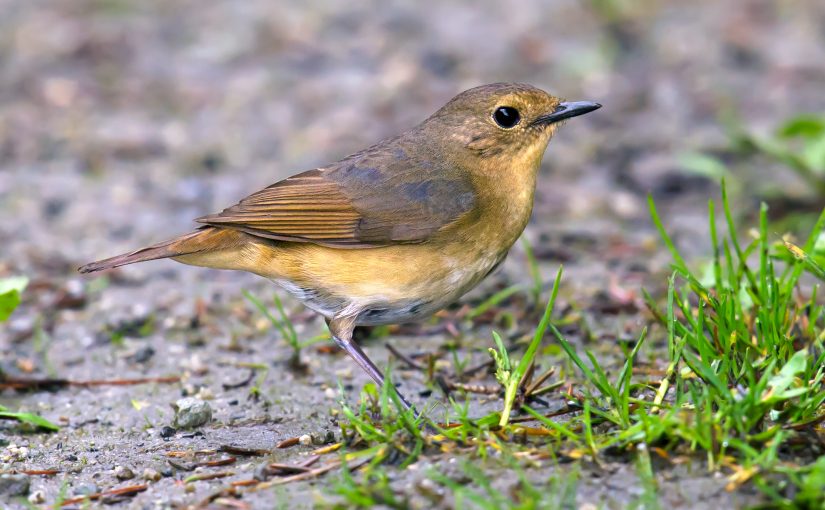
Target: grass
{"points": [[511, 378], [556, 492], [28, 418], [797, 144], [10, 297], [285, 327], [741, 390], [10, 291], [747, 359]]}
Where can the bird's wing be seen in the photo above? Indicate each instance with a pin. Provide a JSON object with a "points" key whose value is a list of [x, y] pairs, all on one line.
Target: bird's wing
{"points": [[352, 204]]}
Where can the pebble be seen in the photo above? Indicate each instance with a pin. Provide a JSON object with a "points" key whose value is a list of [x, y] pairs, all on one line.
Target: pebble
{"points": [[124, 473], [14, 485], [305, 440], [15, 452], [430, 489], [86, 489], [167, 431], [205, 394], [151, 475], [262, 473], [143, 354], [344, 373], [321, 438], [191, 413], [37, 497]]}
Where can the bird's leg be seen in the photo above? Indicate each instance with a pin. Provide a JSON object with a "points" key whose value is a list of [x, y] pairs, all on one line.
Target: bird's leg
{"points": [[341, 329]]}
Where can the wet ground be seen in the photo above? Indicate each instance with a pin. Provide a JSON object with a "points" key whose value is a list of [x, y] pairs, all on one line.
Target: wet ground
{"points": [[121, 121]]}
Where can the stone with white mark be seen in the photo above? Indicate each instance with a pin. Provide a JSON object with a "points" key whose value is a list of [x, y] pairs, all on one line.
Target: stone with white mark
{"points": [[37, 497], [192, 413]]}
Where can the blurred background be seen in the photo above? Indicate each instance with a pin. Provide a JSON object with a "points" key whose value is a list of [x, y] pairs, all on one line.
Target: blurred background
{"points": [[121, 121]]}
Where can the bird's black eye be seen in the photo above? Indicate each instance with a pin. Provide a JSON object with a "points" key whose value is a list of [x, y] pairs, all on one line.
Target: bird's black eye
{"points": [[506, 116]]}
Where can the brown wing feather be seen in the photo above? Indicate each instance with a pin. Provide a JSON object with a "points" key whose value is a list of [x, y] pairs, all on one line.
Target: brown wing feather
{"points": [[305, 207], [353, 204]]}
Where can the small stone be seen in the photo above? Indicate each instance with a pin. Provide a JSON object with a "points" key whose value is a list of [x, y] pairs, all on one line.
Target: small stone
{"points": [[191, 413], [305, 440], [143, 354], [430, 490], [321, 438], [14, 485], [205, 394], [73, 296], [344, 373], [124, 473], [180, 465], [262, 473], [86, 489], [20, 452], [330, 393], [167, 432], [37, 497], [151, 475], [195, 365]]}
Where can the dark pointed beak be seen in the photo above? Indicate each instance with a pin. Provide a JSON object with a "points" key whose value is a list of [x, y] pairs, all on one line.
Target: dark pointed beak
{"points": [[567, 110]]}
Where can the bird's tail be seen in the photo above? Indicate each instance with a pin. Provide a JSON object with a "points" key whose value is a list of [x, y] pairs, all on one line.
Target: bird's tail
{"points": [[201, 240]]}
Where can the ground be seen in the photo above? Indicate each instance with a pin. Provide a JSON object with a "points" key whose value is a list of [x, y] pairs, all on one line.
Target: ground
{"points": [[122, 121]]}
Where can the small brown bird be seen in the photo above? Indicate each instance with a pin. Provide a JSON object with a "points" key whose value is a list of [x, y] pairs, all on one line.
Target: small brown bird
{"points": [[396, 231]]}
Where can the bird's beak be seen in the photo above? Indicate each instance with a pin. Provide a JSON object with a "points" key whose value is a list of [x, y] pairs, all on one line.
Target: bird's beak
{"points": [[567, 110]]}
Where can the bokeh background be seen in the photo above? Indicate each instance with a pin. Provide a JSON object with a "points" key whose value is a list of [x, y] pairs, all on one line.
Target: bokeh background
{"points": [[121, 121]]}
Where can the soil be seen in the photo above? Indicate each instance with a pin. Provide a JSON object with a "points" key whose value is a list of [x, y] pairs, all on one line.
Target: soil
{"points": [[122, 121]]}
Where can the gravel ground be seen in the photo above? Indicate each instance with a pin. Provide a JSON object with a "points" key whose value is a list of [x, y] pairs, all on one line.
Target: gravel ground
{"points": [[122, 121]]}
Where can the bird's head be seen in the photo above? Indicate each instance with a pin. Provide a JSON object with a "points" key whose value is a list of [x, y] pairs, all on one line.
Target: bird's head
{"points": [[502, 122]]}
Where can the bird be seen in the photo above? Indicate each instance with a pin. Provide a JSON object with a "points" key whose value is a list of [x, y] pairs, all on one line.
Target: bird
{"points": [[397, 231]]}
